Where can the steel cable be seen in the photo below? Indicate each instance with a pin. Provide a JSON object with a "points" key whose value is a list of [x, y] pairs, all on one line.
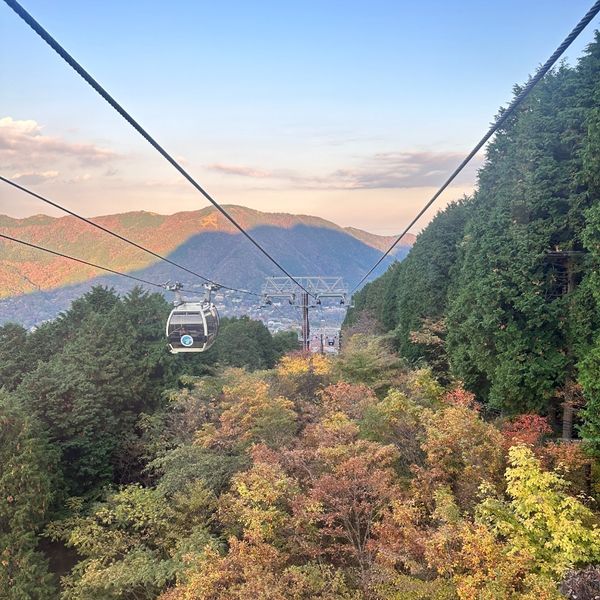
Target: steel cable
{"points": [[25, 16], [120, 237], [79, 260], [497, 124]]}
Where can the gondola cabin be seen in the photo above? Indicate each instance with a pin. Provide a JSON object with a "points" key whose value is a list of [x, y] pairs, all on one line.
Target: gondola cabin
{"points": [[192, 327]]}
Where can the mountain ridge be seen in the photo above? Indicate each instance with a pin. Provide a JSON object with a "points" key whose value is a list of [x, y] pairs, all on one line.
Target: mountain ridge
{"points": [[247, 217], [24, 270]]}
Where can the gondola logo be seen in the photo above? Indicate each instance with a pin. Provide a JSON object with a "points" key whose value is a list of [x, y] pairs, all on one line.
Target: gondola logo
{"points": [[187, 340]]}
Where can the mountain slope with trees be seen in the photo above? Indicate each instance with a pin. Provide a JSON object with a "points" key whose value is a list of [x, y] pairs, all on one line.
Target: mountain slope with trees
{"points": [[225, 257], [203, 240], [501, 289]]}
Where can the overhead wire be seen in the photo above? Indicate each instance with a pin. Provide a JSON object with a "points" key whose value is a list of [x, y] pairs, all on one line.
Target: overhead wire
{"points": [[79, 260], [583, 23], [119, 236], [28, 18]]}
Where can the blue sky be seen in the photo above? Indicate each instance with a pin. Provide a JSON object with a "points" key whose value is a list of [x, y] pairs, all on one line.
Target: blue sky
{"points": [[353, 111]]}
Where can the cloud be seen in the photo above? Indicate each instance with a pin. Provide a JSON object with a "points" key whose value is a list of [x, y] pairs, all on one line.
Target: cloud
{"points": [[405, 170], [23, 143], [390, 170], [31, 178], [240, 170], [79, 178]]}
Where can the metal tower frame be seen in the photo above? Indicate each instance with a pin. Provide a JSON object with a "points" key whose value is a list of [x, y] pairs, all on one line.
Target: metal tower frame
{"points": [[317, 286]]}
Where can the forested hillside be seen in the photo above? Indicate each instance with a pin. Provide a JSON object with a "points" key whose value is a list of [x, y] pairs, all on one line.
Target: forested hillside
{"points": [[501, 290], [129, 473], [35, 286], [203, 240]]}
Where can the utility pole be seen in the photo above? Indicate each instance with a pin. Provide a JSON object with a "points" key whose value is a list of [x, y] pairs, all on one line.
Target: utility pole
{"points": [[305, 323], [318, 288]]}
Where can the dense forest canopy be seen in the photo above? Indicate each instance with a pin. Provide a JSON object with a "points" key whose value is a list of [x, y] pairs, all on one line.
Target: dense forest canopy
{"points": [[501, 289], [128, 473]]}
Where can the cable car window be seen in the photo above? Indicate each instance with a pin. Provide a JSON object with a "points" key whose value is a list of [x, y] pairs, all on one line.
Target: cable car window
{"points": [[185, 319]]}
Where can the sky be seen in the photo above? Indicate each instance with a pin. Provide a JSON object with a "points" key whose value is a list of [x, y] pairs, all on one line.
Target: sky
{"points": [[352, 111]]}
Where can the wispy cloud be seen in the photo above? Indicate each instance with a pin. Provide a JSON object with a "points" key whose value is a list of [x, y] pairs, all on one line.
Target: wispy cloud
{"points": [[405, 170], [23, 143], [390, 170], [240, 170], [31, 178]]}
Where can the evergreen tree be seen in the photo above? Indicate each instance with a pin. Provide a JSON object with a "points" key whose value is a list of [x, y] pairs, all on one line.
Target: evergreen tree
{"points": [[510, 310], [14, 357], [585, 326], [425, 274], [28, 478], [284, 342], [110, 364], [245, 343]]}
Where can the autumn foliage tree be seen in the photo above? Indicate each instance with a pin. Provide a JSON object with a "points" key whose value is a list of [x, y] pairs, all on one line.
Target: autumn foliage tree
{"points": [[462, 452], [541, 519]]}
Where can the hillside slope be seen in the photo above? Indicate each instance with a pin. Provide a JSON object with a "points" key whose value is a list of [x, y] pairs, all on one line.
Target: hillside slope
{"points": [[502, 290], [37, 286], [202, 239]]}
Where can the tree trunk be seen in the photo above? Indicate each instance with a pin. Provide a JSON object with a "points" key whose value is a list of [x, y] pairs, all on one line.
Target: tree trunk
{"points": [[567, 420]]}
